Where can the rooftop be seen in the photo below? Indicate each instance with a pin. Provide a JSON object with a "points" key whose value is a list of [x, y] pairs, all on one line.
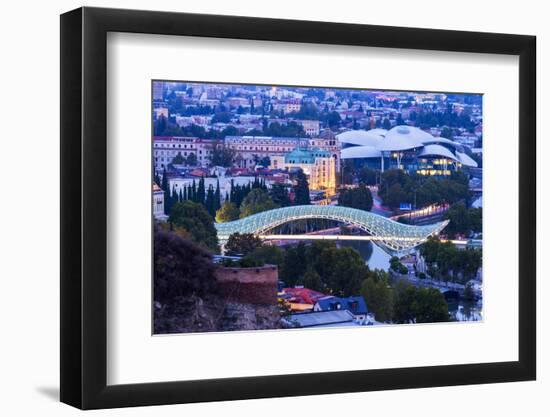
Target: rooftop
{"points": [[319, 318], [372, 144]]}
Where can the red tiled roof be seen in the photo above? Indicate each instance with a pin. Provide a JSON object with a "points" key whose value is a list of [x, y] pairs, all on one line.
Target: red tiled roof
{"points": [[303, 295]]}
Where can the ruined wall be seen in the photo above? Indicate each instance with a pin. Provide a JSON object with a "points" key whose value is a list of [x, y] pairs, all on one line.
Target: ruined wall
{"points": [[256, 285]]}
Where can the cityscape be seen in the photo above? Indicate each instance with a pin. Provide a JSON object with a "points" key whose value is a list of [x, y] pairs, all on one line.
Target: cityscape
{"points": [[279, 207]]}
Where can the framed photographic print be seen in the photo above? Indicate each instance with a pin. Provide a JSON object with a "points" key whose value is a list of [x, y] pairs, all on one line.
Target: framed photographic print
{"points": [[258, 208]]}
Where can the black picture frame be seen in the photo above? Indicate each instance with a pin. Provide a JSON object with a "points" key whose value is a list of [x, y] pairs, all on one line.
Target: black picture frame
{"points": [[84, 207]]}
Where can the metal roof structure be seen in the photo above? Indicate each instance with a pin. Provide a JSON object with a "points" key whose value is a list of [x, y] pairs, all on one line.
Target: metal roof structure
{"points": [[318, 318], [437, 150], [374, 143], [393, 236], [371, 137], [401, 138], [364, 151]]}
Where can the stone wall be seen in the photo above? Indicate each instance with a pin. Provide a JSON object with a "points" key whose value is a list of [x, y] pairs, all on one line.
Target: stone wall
{"points": [[256, 285]]}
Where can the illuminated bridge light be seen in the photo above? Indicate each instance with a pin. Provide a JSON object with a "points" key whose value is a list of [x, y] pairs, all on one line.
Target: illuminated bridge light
{"points": [[390, 235]]}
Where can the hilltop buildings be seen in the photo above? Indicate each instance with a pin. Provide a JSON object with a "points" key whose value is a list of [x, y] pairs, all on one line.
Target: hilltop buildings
{"points": [[166, 148]]}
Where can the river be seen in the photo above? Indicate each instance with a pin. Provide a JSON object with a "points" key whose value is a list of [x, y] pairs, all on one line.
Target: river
{"points": [[376, 258]]}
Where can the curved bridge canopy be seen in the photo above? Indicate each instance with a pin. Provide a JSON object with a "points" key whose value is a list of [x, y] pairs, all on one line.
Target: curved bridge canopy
{"points": [[391, 234]]}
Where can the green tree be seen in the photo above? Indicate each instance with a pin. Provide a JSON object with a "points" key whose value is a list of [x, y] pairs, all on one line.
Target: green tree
{"points": [[359, 198], [341, 269], [210, 202], [227, 213], [397, 266], [181, 268], [475, 216], [267, 254], [229, 131], [294, 264], [367, 175], [191, 159], [157, 179], [446, 261], [222, 155], [256, 201], [221, 117], [301, 190], [419, 305], [333, 119], [378, 295], [217, 197], [446, 132], [279, 195], [178, 159], [459, 220], [242, 244], [164, 183], [313, 281], [395, 196], [195, 219], [201, 191]]}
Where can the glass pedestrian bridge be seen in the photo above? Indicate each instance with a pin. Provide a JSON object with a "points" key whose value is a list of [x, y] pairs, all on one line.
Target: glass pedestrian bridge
{"points": [[389, 234]]}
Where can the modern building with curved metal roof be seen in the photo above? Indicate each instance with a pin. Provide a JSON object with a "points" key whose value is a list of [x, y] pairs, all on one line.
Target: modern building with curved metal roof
{"points": [[360, 152], [437, 151], [405, 147], [391, 235], [402, 138], [371, 137]]}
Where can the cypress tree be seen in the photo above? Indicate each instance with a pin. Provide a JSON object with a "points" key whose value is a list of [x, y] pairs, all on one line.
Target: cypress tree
{"points": [[201, 191], [232, 192], [209, 201], [194, 192], [168, 202], [301, 190], [164, 186], [164, 183], [217, 197]]}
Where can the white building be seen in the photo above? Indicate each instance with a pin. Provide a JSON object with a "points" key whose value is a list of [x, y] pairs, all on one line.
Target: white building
{"points": [[249, 149], [311, 127], [287, 105], [318, 165], [158, 203], [166, 148]]}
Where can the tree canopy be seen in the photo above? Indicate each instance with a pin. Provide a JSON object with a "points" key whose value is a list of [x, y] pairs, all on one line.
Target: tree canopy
{"points": [[445, 261], [463, 220], [242, 244], [359, 198], [227, 213], [396, 187], [301, 189], [256, 201], [195, 219], [378, 294], [181, 267], [419, 305]]}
